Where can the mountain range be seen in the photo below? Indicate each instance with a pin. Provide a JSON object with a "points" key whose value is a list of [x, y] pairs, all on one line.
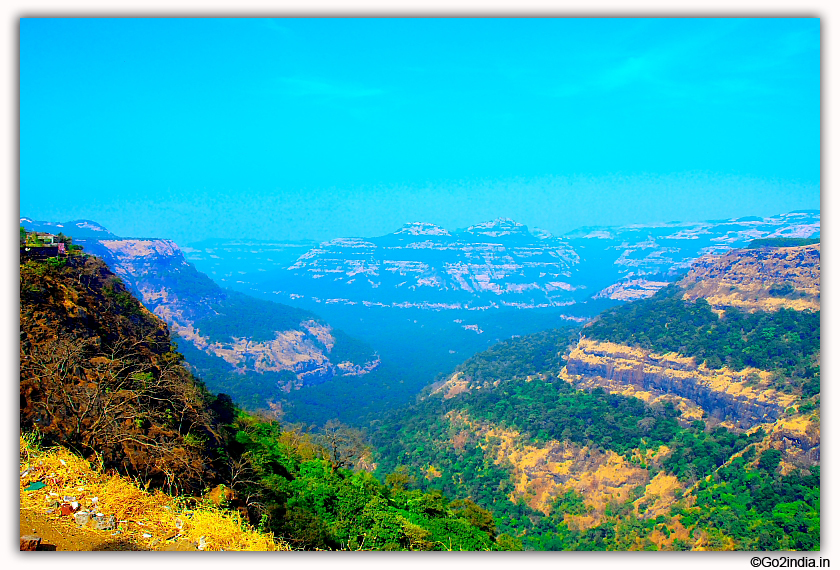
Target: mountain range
{"points": [[687, 420], [493, 265], [272, 318]]}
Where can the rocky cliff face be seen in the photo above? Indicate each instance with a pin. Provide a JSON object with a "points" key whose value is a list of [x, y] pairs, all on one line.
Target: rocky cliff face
{"points": [[764, 279], [499, 264], [240, 334], [741, 399], [188, 300], [495, 264]]}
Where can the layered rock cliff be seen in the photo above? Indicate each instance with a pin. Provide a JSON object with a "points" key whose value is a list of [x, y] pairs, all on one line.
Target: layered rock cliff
{"points": [[743, 399], [248, 337], [193, 306], [764, 279], [497, 264]]}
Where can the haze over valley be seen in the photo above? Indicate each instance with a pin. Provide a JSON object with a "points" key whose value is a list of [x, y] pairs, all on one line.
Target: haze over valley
{"points": [[498, 284]]}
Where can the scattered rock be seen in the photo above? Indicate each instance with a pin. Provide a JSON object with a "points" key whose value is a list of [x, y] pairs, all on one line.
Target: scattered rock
{"points": [[29, 542], [25, 473], [202, 543], [105, 522], [68, 499], [82, 518], [147, 535]]}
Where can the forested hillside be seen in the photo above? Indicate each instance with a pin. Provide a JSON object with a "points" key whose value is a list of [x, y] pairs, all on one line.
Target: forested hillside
{"points": [[786, 340], [100, 376], [622, 454]]}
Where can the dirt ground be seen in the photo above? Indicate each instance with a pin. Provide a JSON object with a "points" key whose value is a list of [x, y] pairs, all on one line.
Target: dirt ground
{"points": [[57, 536]]}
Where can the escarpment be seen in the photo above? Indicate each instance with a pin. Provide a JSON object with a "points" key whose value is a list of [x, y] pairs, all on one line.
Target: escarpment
{"points": [[99, 375], [743, 398], [243, 334], [764, 279]]}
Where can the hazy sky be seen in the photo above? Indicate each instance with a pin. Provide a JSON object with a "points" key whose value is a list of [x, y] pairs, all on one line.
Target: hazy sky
{"points": [[296, 129]]}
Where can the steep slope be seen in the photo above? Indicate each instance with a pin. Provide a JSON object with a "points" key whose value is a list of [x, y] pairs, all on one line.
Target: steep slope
{"points": [[250, 348], [98, 374], [661, 425], [248, 334], [766, 279], [742, 398]]}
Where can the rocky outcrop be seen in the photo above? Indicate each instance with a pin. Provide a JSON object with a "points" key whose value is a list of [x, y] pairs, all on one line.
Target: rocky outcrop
{"points": [[797, 436], [631, 290], [742, 398], [764, 279], [185, 299]]}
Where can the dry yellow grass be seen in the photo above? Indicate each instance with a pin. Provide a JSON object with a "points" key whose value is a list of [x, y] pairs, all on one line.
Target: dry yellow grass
{"points": [[543, 472], [151, 520]]}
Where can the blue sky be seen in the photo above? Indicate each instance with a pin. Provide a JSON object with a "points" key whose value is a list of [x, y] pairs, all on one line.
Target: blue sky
{"points": [[313, 129]]}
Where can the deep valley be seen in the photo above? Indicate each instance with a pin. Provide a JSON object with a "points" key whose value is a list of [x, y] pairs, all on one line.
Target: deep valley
{"points": [[607, 390]]}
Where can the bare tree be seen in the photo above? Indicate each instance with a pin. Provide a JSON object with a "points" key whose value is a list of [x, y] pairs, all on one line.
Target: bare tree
{"points": [[115, 401], [345, 445]]}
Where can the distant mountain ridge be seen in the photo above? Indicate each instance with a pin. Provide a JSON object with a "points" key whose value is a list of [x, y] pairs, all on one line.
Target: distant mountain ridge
{"points": [[424, 265], [80, 229], [501, 263]]}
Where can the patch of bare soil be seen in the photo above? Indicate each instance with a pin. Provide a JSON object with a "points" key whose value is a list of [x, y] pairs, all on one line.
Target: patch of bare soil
{"points": [[56, 536]]}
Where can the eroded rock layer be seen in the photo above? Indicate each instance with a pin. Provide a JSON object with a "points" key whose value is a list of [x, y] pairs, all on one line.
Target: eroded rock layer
{"points": [[743, 398], [188, 300], [764, 279]]}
